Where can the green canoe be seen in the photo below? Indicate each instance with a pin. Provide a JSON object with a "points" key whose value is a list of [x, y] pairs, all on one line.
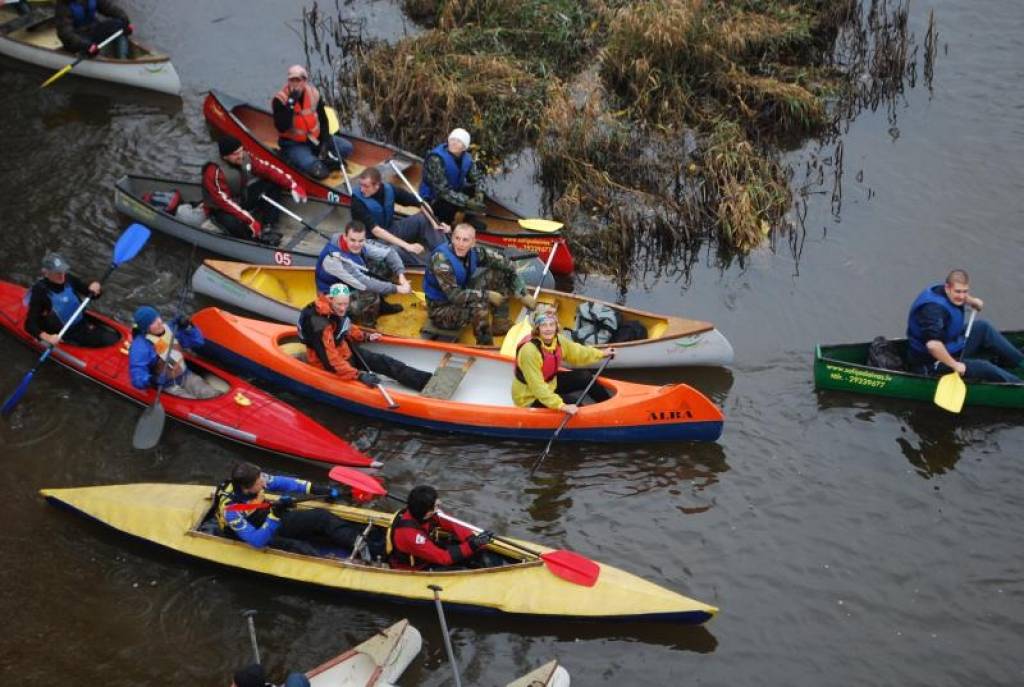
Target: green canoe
{"points": [[843, 367]]}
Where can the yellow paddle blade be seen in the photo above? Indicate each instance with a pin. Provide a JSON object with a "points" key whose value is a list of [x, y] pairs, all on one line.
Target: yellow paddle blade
{"points": [[333, 125], [950, 392], [516, 334], [61, 72], [547, 226], [420, 295]]}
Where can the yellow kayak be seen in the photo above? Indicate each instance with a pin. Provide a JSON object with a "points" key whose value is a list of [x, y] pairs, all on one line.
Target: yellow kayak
{"points": [[172, 515]]}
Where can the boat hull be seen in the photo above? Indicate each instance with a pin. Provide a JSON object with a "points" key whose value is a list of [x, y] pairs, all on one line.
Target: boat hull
{"points": [[377, 662], [299, 247], [843, 367], [168, 515], [41, 48], [280, 293], [262, 422], [480, 405], [254, 128], [548, 675]]}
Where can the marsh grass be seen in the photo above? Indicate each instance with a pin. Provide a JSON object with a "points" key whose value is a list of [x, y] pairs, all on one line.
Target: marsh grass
{"points": [[657, 124]]}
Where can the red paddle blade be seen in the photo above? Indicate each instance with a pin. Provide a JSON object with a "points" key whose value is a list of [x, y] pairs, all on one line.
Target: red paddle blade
{"points": [[247, 507], [357, 480], [572, 567]]}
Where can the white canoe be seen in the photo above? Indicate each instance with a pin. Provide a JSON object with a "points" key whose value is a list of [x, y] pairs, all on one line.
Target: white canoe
{"points": [[377, 662], [548, 675], [33, 39], [279, 293]]}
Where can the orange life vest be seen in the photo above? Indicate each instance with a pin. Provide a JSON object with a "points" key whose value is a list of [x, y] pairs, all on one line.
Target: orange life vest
{"points": [[305, 123]]}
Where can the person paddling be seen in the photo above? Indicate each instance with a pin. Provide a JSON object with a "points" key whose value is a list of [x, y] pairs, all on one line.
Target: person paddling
{"points": [[936, 336], [150, 365], [54, 298], [232, 192], [81, 31], [300, 117], [539, 380], [325, 328], [280, 526], [416, 538]]}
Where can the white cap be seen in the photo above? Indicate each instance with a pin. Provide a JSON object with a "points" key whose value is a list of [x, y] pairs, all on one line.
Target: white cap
{"points": [[460, 135]]}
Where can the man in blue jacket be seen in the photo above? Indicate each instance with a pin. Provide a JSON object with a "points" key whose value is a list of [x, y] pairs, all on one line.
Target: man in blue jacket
{"points": [[149, 363], [936, 340], [280, 526]]}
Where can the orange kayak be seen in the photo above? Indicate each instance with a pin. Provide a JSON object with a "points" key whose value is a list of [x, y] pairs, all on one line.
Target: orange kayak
{"points": [[480, 401]]}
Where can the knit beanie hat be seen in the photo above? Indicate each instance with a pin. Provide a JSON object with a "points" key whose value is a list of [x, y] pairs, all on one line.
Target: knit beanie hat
{"points": [[460, 135], [145, 316]]}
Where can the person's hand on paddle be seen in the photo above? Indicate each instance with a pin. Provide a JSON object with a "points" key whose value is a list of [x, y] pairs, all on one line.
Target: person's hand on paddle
{"points": [[282, 506], [959, 367], [570, 408], [299, 194], [610, 353], [95, 289], [528, 301], [373, 336], [479, 541], [369, 379], [50, 339], [445, 227], [129, 28], [495, 298], [93, 50], [182, 322], [403, 288], [975, 303], [328, 491]]}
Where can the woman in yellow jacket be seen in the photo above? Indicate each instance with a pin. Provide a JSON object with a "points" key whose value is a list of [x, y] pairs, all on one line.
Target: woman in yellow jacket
{"points": [[538, 382]]}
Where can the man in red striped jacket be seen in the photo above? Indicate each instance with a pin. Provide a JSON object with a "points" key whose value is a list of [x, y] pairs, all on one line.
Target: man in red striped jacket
{"points": [[231, 193]]}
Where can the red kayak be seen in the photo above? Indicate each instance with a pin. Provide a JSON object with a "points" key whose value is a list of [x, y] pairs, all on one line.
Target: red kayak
{"points": [[254, 127], [242, 413]]}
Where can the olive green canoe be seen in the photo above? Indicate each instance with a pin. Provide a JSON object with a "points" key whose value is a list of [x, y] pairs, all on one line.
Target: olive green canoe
{"points": [[844, 367]]}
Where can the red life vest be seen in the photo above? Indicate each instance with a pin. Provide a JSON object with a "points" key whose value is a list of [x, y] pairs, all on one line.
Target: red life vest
{"points": [[551, 360], [305, 123]]}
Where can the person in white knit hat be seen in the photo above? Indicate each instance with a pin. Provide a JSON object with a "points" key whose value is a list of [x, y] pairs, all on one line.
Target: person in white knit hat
{"points": [[451, 179]]}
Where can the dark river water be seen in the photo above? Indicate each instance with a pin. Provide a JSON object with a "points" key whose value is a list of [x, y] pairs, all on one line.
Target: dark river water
{"points": [[847, 540]]}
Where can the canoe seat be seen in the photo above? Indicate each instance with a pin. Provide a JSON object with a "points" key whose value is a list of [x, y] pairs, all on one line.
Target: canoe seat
{"points": [[448, 376], [432, 333], [295, 349]]}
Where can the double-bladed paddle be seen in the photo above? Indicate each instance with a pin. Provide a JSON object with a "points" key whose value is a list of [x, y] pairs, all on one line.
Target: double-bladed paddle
{"points": [[127, 247], [951, 391], [67, 68], [565, 420], [567, 565]]}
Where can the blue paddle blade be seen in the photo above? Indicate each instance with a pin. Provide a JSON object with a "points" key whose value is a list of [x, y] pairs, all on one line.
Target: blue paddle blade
{"points": [[130, 243], [13, 399]]}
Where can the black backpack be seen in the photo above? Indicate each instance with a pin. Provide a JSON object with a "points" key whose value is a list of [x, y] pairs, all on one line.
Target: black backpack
{"points": [[884, 354], [629, 330]]}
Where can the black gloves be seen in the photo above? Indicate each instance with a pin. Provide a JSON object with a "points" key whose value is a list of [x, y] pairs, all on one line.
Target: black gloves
{"points": [[282, 506], [182, 322], [369, 379], [328, 491], [479, 541]]}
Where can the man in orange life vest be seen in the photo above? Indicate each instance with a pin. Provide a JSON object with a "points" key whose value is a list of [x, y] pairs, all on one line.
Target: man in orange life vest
{"points": [[412, 542], [300, 118], [150, 365], [538, 382], [232, 193]]}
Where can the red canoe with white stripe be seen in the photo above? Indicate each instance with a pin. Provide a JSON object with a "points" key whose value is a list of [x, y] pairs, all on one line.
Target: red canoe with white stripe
{"points": [[242, 413]]}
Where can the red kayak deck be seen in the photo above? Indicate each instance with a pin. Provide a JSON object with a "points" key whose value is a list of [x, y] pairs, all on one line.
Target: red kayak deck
{"points": [[243, 413], [254, 127]]}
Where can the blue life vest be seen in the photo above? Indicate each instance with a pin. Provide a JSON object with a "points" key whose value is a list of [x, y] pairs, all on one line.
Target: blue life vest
{"points": [[432, 288], [83, 16], [456, 173], [382, 214], [952, 337], [324, 279], [65, 302]]}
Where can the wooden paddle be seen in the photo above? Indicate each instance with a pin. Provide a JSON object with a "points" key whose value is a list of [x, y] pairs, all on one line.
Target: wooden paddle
{"points": [[150, 426], [127, 247], [424, 205], [522, 326], [565, 420], [567, 565], [67, 68], [951, 391]]}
